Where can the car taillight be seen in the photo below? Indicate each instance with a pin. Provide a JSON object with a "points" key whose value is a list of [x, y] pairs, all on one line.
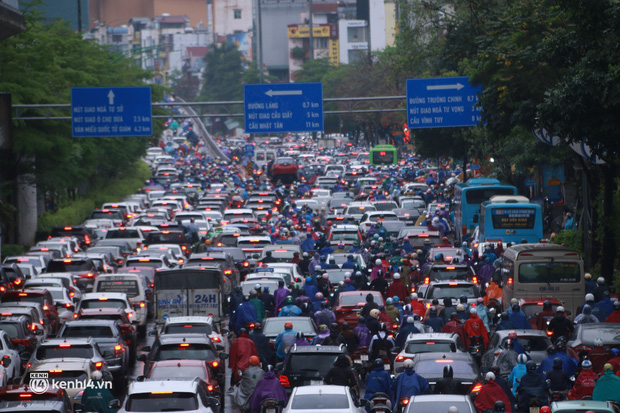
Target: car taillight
{"points": [[215, 364], [476, 388], [216, 339], [404, 401], [118, 350], [475, 279], [427, 280], [210, 388], [246, 264], [86, 239], [98, 365], [402, 358], [284, 381], [18, 281], [510, 281]]}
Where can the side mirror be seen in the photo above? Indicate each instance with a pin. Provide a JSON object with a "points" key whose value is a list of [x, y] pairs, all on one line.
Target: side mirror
{"points": [[114, 404], [146, 349], [38, 332], [225, 331], [279, 366], [395, 350], [213, 402], [140, 378], [363, 403], [141, 357], [223, 356], [280, 403], [152, 333]]}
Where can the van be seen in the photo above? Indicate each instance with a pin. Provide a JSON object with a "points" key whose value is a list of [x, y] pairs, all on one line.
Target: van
{"points": [[131, 285], [543, 271]]}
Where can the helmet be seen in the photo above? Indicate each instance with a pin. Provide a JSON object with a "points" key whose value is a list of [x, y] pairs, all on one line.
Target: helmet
{"points": [[374, 313], [438, 257], [489, 376], [587, 276], [377, 262], [408, 364], [472, 310], [598, 342], [257, 286], [334, 327], [448, 371], [590, 297], [600, 280], [561, 344], [499, 406], [521, 358], [288, 299], [388, 301], [97, 375], [377, 363], [410, 320], [512, 335], [586, 364], [615, 352], [558, 363], [414, 296], [254, 361], [530, 365], [547, 304], [616, 305], [382, 327], [608, 367], [396, 276], [545, 409], [559, 309], [318, 296], [551, 349]]}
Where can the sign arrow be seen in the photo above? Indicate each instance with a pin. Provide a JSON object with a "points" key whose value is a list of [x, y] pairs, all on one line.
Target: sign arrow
{"points": [[272, 93], [111, 97], [457, 86]]}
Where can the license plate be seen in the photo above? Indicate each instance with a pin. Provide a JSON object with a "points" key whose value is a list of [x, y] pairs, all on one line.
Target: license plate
{"points": [[357, 361], [270, 410], [364, 357], [534, 409], [386, 367], [316, 382]]}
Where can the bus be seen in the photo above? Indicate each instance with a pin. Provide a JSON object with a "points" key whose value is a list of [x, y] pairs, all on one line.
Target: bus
{"points": [[510, 218], [383, 155], [541, 271], [467, 199]]}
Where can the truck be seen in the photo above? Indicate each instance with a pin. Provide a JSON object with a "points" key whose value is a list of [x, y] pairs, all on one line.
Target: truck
{"points": [[194, 291]]}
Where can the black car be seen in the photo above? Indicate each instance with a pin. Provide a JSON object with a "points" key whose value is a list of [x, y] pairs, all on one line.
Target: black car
{"points": [[84, 235], [20, 332], [168, 237], [308, 365], [11, 276], [430, 366], [444, 272]]}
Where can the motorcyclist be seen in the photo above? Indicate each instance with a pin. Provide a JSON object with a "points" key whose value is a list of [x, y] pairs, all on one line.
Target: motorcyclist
{"points": [[392, 311], [482, 312], [416, 306], [518, 319], [475, 327], [362, 332], [285, 340], [614, 317], [265, 352], [532, 386], [560, 325], [381, 343], [370, 305], [289, 308], [378, 380], [409, 383], [546, 314], [268, 387], [559, 380], [268, 300], [517, 372], [241, 349], [455, 326], [615, 359], [251, 376], [334, 338], [245, 314], [408, 328], [490, 393], [340, 374], [351, 339], [97, 397], [507, 358], [586, 316], [598, 355], [447, 384], [608, 386], [325, 315], [434, 321], [584, 383], [397, 288], [570, 363]]}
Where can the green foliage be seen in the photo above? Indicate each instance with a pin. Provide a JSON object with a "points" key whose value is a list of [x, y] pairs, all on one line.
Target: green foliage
{"points": [[223, 74], [75, 212], [570, 239], [11, 249]]}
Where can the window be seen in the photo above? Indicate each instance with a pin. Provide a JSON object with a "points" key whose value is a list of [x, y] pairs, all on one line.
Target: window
{"points": [[320, 42], [237, 13]]}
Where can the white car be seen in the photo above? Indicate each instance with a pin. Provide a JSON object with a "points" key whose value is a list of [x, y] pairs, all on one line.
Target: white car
{"points": [[10, 363], [370, 218], [356, 210], [194, 324], [335, 399], [188, 395], [110, 300]]}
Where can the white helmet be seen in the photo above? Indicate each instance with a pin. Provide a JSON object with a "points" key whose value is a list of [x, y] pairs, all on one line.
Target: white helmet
{"points": [[414, 296], [377, 261], [347, 274], [97, 375], [408, 364], [397, 276], [490, 376], [598, 342]]}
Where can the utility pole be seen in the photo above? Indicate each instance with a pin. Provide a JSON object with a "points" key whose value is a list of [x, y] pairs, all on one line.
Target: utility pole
{"points": [[311, 30], [259, 44], [79, 10]]}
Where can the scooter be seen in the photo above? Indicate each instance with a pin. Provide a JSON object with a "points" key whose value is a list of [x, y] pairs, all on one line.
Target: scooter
{"points": [[380, 403], [271, 406], [361, 361], [476, 347]]}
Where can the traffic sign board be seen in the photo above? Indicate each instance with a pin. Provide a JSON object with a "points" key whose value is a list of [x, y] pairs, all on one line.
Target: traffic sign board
{"points": [[249, 150], [443, 102], [111, 111], [283, 107]]}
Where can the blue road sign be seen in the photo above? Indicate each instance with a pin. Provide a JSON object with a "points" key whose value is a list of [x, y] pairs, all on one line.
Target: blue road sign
{"points": [[529, 182], [443, 102], [283, 107], [249, 150], [111, 111]]}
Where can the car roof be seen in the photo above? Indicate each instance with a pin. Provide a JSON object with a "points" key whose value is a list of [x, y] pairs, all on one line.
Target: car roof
{"points": [[90, 321], [177, 385], [439, 355], [324, 388], [432, 398], [318, 349], [431, 336], [524, 333], [189, 319], [581, 405], [52, 406], [96, 296], [179, 363]]}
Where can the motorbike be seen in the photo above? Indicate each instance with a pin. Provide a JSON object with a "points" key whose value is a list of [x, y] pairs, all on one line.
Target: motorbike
{"points": [[476, 347], [380, 403], [402, 404], [271, 406], [361, 361], [558, 396]]}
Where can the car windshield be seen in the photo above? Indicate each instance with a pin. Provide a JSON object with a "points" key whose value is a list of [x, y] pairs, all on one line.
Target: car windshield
{"points": [[57, 295], [609, 334], [103, 304], [166, 372], [531, 343], [311, 363], [320, 401], [385, 206], [274, 326], [345, 236], [358, 210], [434, 368], [448, 291], [162, 402], [68, 266], [12, 330], [430, 346], [88, 331], [355, 299], [185, 351], [129, 287], [440, 406], [188, 328], [64, 350], [441, 274], [125, 233]]}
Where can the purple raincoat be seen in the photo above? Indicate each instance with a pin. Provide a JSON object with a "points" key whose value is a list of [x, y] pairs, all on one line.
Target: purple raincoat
{"points": [[268, 388]]}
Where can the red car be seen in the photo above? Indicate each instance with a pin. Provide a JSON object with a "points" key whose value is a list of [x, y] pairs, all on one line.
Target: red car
{"points": [[350, 304], [171, 369], [532, 306], [41, 296], [285, 170]]}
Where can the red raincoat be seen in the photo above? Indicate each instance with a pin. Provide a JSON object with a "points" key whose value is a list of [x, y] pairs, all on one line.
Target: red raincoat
{"points": [[240, 352], [475, 327], [489, 394]]}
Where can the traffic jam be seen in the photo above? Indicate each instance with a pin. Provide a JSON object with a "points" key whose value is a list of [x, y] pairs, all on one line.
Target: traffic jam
{"points": [[308, 276]]}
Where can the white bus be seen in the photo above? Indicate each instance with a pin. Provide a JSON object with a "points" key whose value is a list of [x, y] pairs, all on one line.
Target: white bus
{"points": [[540, 271]]}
